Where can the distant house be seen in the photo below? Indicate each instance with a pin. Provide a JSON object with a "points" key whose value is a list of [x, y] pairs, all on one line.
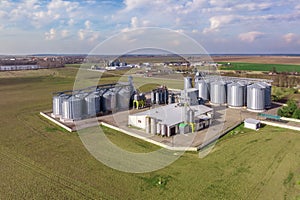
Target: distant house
{"points": [[252, 124]]}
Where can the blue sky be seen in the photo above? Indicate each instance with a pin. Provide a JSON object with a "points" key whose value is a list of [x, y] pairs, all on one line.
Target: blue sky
{"points": [[220, 26]]}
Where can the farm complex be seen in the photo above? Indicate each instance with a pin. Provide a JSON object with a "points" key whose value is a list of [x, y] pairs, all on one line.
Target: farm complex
{"points": [[206, 102], [40, 159]]}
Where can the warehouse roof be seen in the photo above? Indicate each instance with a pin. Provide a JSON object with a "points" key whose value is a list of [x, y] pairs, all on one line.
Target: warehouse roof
{"points": [[173, 114]]}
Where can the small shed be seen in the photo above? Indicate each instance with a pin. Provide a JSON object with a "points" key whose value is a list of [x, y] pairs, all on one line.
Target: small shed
{"points": [[252, 124], [184, 128]]}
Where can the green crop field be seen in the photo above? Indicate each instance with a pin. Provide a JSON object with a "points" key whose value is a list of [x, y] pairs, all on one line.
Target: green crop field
{"points": [[39, 160], [260, 67]]}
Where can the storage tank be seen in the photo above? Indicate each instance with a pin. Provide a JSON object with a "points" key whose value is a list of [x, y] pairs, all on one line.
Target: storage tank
{"points": [[218, 90], [82, 97], [153, 97], [163, 130], [153, 126], [197, 79], [148, 128], [57, 104], [186, 116], [109, 102], [245, 84], [191, 114], [157, 97], [72, 108], [166, 94], [188, 83], [203, 90], [268, 94], [158, 128], [136, 97], [256, 97], [236, 94], [171, 99], [161, 94], [123, 98], [92, 104]]}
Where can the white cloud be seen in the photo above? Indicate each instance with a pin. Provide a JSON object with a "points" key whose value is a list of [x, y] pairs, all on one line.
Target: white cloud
{"points": [[75, 20], [87, 24], [81, 34], [253, 6], [88, 35], [60, 4], [134, 22], [94, 36], [250, 36], [290, 37], [65, 33], [222, 3], [3, 14], [71, 22], [51, 34], [133, 4], [217, 22]]}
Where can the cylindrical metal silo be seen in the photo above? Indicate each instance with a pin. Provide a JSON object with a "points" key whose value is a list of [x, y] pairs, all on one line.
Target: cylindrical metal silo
{"points": [[57, 104], [114, 101], [92, 104], [123, 98], [136, 97], [197, 79], [245, 84], [187, 116], [191, 116], [256, 97], [268, 93], [203, 90], [163, 130], [188, 83], [157, 97], [166, 94], [109, 101], [236, 94], [72, 108], [148, 125], [218, 92], [171, 99], [153, 126], [158, 128], [153, 97], [161, 96], [65, 112]]}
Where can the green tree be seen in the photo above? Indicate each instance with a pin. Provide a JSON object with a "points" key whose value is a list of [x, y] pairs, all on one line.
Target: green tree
{"points": [[280, 112], [296, 114], [291, 107], [288, 111]]}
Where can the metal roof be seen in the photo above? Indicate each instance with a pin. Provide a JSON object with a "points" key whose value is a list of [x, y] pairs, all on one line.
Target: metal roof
{"points": [[173, 114], [251, 121]]}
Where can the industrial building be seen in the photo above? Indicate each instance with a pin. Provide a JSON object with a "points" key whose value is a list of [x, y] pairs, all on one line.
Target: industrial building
{"points": [[182, 115], [172, 119], [252, 124], [20, 67]]}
